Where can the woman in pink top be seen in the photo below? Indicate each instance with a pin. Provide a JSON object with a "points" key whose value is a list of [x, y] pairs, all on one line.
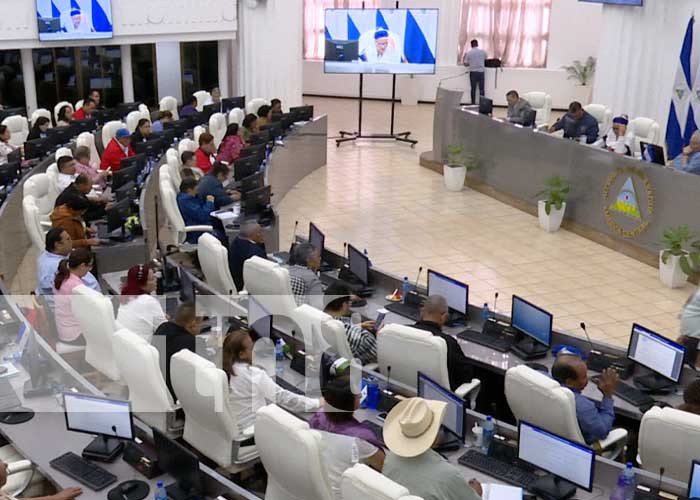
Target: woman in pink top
{"points": [[70, 275], [231, 145], [83, 166]]}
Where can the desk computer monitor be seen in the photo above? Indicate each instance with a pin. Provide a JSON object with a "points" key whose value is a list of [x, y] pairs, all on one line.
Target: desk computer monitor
{"points": [[60, 135], [258, 201], [252, 182], [659, 354], [5, 112], [15, 156], [302, 113], [455, 292], [167, 136], [536, 324], [126, 174], [653, 153], [150, 148], [125, 108], [179, 126], [37, 148], [109, 419], [182, 464], [246, 167], [273, 129], [233, 102], [126, 191], [257, 150], [342, 50], [485, 106], [454, 415], [358, 264], [570, 464], [136, 160], [259, 319], [694, 480], [85, 125], [10, 173], [117, 215], [259, 138], [317, 238], [210, 109]]}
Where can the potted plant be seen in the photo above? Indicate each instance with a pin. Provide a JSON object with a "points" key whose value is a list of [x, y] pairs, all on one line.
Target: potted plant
{"points": [[457, 166], [552, 203], [582, 74], [676, 263]]}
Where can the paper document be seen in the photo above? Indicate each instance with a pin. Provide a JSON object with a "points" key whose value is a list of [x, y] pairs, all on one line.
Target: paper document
{"points": [[501, 492]]}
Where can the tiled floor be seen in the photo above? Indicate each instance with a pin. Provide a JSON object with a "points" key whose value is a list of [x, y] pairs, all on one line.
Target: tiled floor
{"points": [[375, 195]]}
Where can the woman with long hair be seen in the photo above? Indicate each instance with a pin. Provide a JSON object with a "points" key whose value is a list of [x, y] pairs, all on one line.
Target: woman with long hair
{"points": [[231, 145], [5, 147], [139, 311], [70, 275], [38, 131], [65, 116]]}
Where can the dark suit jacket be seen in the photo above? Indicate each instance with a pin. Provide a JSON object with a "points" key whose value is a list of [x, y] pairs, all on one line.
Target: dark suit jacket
{"points": [[458, 366], [176, 339], [240, 251]]}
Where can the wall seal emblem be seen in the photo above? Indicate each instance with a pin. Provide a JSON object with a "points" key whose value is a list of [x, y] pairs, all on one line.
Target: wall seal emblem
{"points": [[628, 201]]}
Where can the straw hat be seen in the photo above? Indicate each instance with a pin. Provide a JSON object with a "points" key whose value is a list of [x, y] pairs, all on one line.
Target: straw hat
{"points": [[411, 427]]}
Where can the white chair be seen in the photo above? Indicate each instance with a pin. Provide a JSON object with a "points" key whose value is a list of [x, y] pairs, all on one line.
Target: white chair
{"points": [[145, 112], [41, 112], [109, 131], [34, 223], [57, 108], [603, 116], [198, 130], [87, 139], [169, 103], [19, 128], [172, 154], [254, 105], [132, 120], [95, 315], [269, 283], [186, 145], [213, 258], [291, 454], [217, 127], [333, 332], [643, 130], [172, 211], [308, 323], [236, 115], [669, 438], [409, 350], [210, 423], [173, 169], [542, 103], [39, 187], [22, 477], [364, 482], [541, 401], [202, 96], [54, 190], [139, 365], [61, 152]]}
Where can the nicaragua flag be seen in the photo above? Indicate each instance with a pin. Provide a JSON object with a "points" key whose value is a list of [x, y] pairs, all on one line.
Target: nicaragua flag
{"points": [[100, 20], [681, 123]]}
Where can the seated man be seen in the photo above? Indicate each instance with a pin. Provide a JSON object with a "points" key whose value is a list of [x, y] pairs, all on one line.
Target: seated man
{"points": [[362, 342], [264, 115], [69, 217], [691, 398], [212, 184], [194, 209], [595, 421], [304, 263], [214, 97], [576, 124], [276, 106], [66, 172], [205, 153], [617, 140], [433, 316], [163, 117], [689, 160], [518, 108], [86, 111], [118, 149], [80, 187], [179, 334], [189, 108], [250, 242]]}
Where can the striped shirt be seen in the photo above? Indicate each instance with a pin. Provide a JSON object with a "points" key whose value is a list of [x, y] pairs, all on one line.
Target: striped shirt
{"points": [[363, 344]]}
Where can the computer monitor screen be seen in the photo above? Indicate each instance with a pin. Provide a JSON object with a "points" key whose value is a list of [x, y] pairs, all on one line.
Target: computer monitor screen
{"points": [[259, 319], [302, 113], [258, 200], [10, 173], [259, 138], [124, 108], [15, 156], [247, 166], [317, 238], [151, 148], [117, 214], [252, 182], [454, 416], [233, 102], [127, 191], [136, 160], [359, 264], [179, 126], [694, 480], [558, 456], [210, 109], [388, 41], [60, 135], [167, 136], [655, 352], [85, 125], [125, 175], [36, 148], [485, 106], [179, 462], [74, 20], [653, 153], [455, 292], [101, 416], [257, 150], [531, 320]]}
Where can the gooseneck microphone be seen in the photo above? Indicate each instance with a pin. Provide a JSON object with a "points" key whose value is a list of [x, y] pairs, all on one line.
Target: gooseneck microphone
{"points": [[452, 78], [583, 327], [420, 270], [495, 303]]}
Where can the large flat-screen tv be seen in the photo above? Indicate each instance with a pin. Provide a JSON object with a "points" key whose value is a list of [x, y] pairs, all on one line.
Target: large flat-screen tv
{"points": [[635, 3], [393, 41], [74, 19]]}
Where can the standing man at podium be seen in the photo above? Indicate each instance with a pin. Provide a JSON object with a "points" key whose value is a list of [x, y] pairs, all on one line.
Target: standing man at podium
{"points": [[475, 61]]}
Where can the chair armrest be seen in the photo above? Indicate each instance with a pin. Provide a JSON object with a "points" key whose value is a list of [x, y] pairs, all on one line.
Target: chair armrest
{"points": [[613, 438], [46, 224], [248, 433], [19, 466], [190, 229], [371, 366], [470, 389]]}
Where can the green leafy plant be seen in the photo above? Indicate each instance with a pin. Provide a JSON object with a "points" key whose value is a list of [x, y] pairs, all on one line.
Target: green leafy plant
{"points": [[581, 72], [681, 242], [456, 157], [555, 192]]}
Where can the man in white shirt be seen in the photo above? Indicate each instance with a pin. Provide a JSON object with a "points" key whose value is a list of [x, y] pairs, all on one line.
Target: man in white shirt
{"points": [[475, 60], [385, 50], [66, 172], [78, 23]]}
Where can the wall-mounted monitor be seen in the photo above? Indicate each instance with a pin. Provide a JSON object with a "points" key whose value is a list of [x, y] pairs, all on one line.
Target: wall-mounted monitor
{"points": [[383, 41], [60, 20], [634, 3]]}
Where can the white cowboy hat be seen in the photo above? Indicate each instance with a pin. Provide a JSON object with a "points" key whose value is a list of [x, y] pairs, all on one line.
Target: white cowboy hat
{"points": [[411, 427]]}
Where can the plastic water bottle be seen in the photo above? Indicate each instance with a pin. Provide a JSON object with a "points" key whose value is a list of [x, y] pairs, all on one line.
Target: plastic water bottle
{"points": [[626, 485], [405, 288], [279, 350], [488, 434], [160, 491], [485, 312]]}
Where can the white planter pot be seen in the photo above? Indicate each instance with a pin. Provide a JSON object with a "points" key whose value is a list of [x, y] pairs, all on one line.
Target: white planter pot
{"points": [[454, 176], [671, 273], [582, 94], [551, 222]]}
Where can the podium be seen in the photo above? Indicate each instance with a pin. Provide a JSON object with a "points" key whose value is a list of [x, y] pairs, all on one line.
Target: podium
{"points": [[445, 130]]}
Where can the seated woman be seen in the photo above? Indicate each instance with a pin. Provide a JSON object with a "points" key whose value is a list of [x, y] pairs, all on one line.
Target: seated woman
{"points": [[65, 116], [89, 170], [140, 311], [69, 276], [231, 145], [38, 131], [142, 132], [617, 140], [5, 147], [250, 387], [250, 126]]}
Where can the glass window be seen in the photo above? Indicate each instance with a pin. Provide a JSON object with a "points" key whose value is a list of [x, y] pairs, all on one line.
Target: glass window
{"points": [[200, 66], [11, 79], [143, 61], [101, 69]]}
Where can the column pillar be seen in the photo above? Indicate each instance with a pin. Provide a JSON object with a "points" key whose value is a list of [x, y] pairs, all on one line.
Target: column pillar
{"points": [[29, 81], [127, 74]]}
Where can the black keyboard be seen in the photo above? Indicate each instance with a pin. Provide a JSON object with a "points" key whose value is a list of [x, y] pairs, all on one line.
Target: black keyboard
{"points": [[287, 386], [632, 395], [496, 468], [497, 342], [85, 472], [409, 311]]}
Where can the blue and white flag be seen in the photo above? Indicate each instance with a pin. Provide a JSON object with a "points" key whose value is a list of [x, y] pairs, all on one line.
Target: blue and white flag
{"points": [[681, 120]]}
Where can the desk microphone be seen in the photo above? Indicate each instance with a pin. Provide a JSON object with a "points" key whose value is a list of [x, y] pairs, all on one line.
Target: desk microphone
{"points": [[420, 270], [388, 379], [294, 234], [661, 477], [452, 78], [495, 302], [583, 327], [345, 260]]}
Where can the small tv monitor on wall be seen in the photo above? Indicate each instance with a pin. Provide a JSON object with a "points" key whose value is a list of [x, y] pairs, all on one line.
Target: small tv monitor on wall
{"points": [[634, 3], [60, 20]]}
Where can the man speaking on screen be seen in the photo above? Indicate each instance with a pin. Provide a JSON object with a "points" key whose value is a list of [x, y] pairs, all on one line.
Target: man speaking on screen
{"points": [[77, 23], [384, 49]]}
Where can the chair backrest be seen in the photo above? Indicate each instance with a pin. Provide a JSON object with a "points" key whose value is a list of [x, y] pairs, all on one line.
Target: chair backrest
{"points": [[132, 120], [542, 103], [254, 105], [186, 145], [79, 104], [603, 116], [409, 350], [145, 112], [41, 112], [202, 390], [669, 438], [109, 131], [541, 401], [87, 139], [139, 365], [19, 128], [213, 258], [291, 454], [60, 152], [172, 211], [269, 283], [364, 482], [32, 222], [198, 130], [52, 172], [333, 332], [173, 169], [39, 186], [172, 153], [308, 323], [202, 96], [217, 127], [236, 115], [95, 315], [58, 108], [169, 103], [643, 130]]}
